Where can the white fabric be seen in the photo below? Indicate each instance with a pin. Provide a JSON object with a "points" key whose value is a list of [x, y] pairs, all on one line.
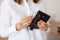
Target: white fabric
{"points": [[12, 13], [34, 7]]}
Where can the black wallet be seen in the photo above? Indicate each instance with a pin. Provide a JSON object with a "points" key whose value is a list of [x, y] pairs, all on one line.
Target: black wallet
{"points": [[39, 16]]}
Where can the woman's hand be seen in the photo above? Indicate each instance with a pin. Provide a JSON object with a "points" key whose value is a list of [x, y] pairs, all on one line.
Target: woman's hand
{"points": [[24, 22], [42, 25]]}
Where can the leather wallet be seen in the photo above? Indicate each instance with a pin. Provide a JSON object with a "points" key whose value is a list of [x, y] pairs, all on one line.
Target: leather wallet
{"points": [[39, 16]]}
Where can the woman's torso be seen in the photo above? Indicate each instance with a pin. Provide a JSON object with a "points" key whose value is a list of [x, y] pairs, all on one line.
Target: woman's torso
{"points": [[17, 12]]}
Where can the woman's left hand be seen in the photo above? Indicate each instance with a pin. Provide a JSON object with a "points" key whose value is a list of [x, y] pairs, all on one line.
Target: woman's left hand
{"points": [[42, 25]]}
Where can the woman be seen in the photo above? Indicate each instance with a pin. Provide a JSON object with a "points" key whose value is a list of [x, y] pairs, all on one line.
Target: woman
{"points": [[14, 20]]}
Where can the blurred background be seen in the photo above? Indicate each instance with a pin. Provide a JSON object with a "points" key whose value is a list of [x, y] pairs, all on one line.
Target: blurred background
{"points": [[53, 9]]}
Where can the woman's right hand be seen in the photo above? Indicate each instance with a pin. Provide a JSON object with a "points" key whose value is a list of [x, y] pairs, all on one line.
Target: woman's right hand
{"points": [[24, 22]]}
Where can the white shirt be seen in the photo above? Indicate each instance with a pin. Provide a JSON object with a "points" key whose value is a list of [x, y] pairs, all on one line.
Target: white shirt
{"points": [[12, 13]]}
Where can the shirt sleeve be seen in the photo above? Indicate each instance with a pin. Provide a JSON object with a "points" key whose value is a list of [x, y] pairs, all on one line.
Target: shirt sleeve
{"points": [[5, 27], [5, 23]]}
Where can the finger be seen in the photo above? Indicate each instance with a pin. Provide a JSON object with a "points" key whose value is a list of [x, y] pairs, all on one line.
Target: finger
{"points": [[27, 23], [39, 24], [43, 23], [27, 17], [41, 27], [26, 20]]}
